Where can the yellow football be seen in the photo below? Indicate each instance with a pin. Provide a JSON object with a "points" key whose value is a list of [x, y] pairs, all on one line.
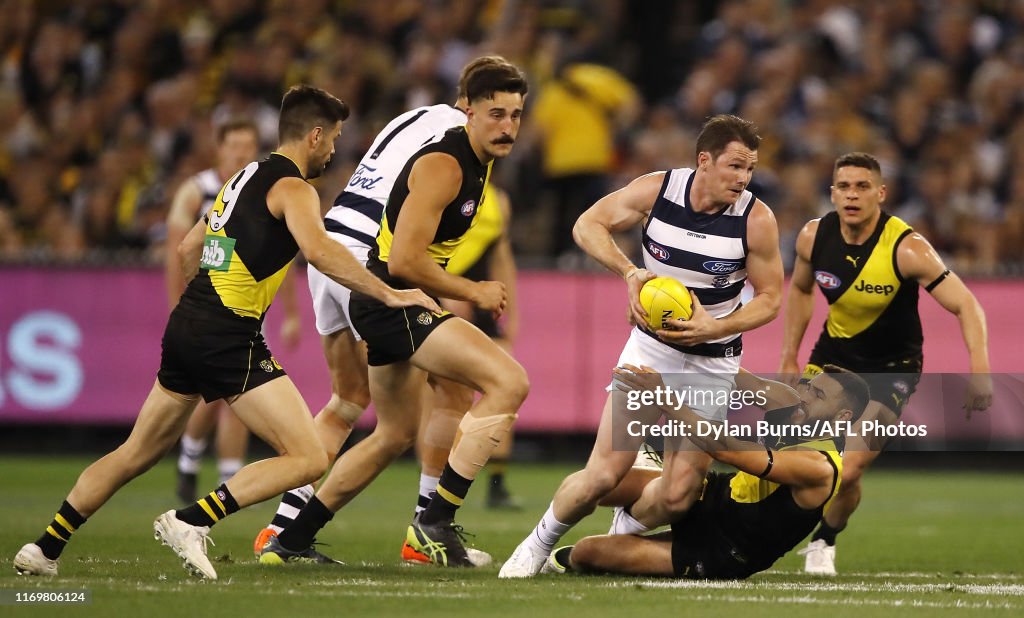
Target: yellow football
{"points": [[664, 298]]}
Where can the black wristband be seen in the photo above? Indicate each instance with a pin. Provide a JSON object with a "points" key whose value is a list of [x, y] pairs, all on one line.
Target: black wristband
{"points": [[771, 462]]}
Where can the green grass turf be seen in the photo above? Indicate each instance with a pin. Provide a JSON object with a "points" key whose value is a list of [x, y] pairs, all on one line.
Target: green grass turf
{"points": [[921, 544]]}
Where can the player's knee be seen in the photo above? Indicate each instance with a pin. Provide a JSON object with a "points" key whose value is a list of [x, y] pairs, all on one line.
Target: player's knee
{"points": [[514, 386], [677, 497], [584, 554], [313, 465], [600, 482], [395, 439], [345, 411]]}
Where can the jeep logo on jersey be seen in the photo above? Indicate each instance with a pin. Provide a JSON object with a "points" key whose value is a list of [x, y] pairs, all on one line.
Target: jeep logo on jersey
{"points": [[217, 252], [871, 288], [659, 252], [468, 208], [721, 267], [827, 280]]}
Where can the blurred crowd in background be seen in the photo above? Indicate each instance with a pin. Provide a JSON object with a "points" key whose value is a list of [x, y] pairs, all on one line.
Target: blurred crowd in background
{"points": [[106, 106]]}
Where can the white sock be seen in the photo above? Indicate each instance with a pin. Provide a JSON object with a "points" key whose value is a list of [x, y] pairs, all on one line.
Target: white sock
{"points": [[191, 453], [428, 484], [228, 467], [548, 531], [624, 523], [291, 503]]}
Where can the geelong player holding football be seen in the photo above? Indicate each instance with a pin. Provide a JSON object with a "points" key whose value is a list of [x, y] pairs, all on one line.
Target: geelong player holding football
{"points": [[706, 230]]}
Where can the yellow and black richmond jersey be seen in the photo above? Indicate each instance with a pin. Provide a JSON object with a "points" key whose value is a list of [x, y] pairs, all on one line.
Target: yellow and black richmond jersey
{"points": [[471, 258], [247, 250], [872, 316], [458, 215], [760, 518]]}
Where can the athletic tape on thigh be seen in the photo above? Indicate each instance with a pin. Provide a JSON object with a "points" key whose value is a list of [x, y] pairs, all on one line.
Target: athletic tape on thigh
{"points": [[480, 436]]}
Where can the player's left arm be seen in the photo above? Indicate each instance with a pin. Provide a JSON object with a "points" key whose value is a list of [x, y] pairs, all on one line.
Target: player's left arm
{"points": [[765, 274], [917, 260], [190, 250]]}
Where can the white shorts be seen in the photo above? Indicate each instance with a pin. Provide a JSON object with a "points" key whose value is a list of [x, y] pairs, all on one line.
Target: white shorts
{"points": [[330, 298], [690, 372]]}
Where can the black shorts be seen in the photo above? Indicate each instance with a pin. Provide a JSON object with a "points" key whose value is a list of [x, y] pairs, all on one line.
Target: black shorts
{"points": [[392, 335], [699, 548], [891, 383], [217, 357]]}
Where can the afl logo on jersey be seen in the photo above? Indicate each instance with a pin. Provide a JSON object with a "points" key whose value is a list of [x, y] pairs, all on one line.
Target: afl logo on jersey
{"points": [[827, 280], [659, 252], [720, 267], [468, 208]]}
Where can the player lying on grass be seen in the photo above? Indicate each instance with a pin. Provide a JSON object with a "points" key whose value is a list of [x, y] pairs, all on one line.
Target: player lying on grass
{"points": [[744, 520]]}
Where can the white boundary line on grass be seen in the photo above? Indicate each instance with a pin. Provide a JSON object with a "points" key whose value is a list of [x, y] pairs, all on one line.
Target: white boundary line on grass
{"points": [[908, 574], [1013, 590]]}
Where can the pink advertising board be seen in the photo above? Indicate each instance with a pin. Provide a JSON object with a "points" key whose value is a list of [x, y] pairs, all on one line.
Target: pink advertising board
{"points": [[82, 345]]}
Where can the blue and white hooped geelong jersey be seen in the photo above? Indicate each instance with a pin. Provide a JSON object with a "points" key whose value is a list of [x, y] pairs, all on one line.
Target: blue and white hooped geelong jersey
{"points": [[358, 209], [705, 252]]}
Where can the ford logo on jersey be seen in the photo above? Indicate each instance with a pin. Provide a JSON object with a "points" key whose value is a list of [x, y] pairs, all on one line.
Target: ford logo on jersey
{"points": [[468, 208], [657, 250], [827, 280], [720, 267]]}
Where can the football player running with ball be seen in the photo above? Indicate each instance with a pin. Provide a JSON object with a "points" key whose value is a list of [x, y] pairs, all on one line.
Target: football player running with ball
{"points": [[704, 229]]}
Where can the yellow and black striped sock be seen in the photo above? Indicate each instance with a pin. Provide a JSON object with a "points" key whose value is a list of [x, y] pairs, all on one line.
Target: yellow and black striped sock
{"points": [[210, 509], [451, 493], [59, 532]]}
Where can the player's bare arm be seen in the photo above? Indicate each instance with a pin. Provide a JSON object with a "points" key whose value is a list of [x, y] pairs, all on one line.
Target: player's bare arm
{"points": [[618, 212], [434, 182], [503, 269], [297, 202], [800, 303], [765, 274], [918, 260], [190, 250], [180, 219]]}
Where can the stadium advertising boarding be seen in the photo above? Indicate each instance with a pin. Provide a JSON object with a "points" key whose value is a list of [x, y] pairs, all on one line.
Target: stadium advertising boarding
{"points": [[82, 345]]}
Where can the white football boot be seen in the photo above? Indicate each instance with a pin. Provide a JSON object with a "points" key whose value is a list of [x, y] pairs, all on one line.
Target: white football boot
{"points": [[31, 561], [188, 541], [525, 561]]}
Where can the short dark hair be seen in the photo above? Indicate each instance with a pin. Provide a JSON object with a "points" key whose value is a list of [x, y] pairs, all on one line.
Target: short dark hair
{"points": [[856, 391], [306, 107], [858, 159], [237, 124], [721, 130], [486, 75]]}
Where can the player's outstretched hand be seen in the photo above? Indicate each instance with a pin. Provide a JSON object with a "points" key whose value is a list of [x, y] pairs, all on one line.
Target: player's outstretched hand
{"points": [[635, 279], [412, 298], [701, 327]]}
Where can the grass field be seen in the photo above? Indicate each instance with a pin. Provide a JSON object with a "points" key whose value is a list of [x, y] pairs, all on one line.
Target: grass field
{"points": [[921, 544]]}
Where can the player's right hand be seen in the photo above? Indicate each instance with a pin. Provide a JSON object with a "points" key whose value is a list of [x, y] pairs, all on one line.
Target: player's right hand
{"points": [[491, 296], [789, 372], [412, 298], [634, 281]]}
